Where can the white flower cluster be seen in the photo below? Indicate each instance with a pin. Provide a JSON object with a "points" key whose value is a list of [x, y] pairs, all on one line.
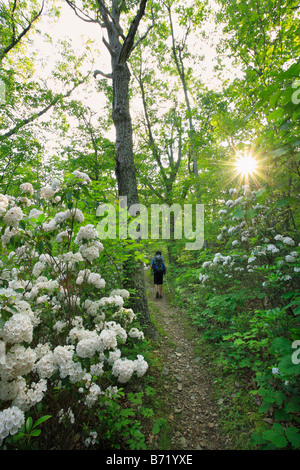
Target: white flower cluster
{"points": [[96, 280], [82, 176], [26, 188], [123, 369], [13, 216], [83, 337], [92, 439], [248, 257], [11, 419], [66, 416]]}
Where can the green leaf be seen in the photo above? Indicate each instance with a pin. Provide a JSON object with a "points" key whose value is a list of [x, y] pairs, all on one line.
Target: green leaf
{"points": [[293, 435], [28, 424], [275, 437], [238, 212], [41, 420], [158, 425], [239, 341]]}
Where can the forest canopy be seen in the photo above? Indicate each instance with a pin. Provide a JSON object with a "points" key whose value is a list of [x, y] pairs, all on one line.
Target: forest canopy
{"points": [[136, 105]]}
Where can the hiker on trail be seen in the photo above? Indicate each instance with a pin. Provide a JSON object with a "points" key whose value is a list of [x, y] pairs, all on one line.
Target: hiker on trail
{"points": [[159, 269]]}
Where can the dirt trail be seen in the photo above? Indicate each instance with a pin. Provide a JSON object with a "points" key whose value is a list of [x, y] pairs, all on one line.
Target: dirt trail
{"points": [[186, 383]]}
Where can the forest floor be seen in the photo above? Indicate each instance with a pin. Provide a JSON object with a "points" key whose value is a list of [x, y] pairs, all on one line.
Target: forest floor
{"points": [[184, 384]]}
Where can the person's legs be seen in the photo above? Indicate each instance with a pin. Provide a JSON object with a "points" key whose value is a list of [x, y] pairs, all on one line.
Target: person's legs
{"points": [[158, 281]]}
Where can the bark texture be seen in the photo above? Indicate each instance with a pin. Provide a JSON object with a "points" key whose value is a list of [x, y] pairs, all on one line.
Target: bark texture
{"points": [[120, 48]]}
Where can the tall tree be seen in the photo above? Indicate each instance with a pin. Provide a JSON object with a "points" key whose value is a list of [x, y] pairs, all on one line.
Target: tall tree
{"points": [[120, 47], [30, 98]]}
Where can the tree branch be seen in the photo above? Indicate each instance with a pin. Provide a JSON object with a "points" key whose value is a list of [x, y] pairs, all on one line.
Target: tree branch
{"points": [[146, 33], [106, 75], [129, 40], [84, 16], [15, 40], [35, 116]]}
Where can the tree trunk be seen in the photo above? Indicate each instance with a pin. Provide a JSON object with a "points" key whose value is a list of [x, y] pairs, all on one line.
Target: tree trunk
{"points": [[127, 184]]}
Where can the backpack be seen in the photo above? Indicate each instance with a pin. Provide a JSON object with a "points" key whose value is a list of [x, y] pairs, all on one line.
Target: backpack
{"points": [[158, 264]]}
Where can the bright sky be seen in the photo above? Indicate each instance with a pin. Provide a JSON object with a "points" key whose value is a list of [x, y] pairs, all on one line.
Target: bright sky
{"points": [[72, 28]]}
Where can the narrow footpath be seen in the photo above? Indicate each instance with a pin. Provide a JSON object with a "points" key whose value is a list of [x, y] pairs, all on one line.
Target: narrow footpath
{"points": [[186, 385]]}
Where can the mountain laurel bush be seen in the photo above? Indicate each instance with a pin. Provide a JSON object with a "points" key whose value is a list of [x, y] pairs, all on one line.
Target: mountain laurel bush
{"points": [[59, 328]]}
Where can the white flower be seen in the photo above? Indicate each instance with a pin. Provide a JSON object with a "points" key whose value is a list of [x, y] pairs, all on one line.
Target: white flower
{"points": [[2, 208], [28, 396], [49, 226], [11, 419], [97, 369], [61, 236], [205, 264], [87, 347], [89, 252], [4, 200], [96, 280], [56, 184], [141, 366], [18, 329], [19, 361], [275, 371], [113, 356], [26, 188], [35, 213], [82, 176], [76, 214], [121, 292], [126, 313], [61, 217], [288, 241], [135, 333], [108, 339], [71, 257], [13, 216], [233, 191], [88, 232], [235, 242], [123, 369], [92, 396], [38, 268], [290, 258], [47, 192], [46, 366], [59, 325]]}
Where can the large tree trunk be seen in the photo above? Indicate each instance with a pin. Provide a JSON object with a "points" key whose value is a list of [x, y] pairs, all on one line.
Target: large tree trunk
{"points": [[127, 185], [125, 168], [120, 48]]}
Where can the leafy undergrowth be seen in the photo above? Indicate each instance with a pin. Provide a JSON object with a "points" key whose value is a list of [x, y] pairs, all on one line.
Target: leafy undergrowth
{"points": [[242, 294], [256, 406]]}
